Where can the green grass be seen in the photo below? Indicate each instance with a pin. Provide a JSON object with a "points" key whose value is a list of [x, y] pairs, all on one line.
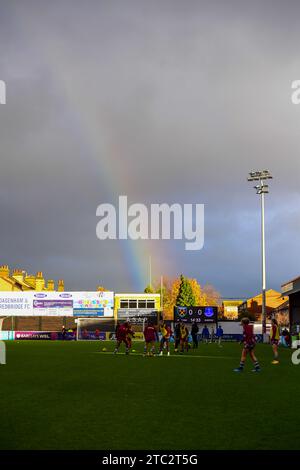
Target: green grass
{"points": [[66, 395]]}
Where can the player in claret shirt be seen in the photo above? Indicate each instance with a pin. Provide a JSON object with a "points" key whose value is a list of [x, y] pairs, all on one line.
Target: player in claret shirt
{"points": [[120, 336], [274, 337], [129, 336], [150, 336], [249, 345], [124, 334]]}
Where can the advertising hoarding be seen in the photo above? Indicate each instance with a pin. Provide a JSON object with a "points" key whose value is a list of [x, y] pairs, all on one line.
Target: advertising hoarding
{"points": [[61, 304], [37, 335]]}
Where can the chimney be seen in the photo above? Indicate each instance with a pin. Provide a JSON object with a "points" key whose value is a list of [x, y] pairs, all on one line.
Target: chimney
{"points": [[50, 285], [39, 281], [61, 285], [18, 275], [30, 280], [4, 271]]}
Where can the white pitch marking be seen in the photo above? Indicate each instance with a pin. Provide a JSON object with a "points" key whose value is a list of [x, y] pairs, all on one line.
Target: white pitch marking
{"points": [[173, 355]]}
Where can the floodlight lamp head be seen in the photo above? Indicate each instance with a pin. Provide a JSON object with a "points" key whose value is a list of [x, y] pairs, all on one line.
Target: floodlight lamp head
{"points": [[265, 174], [259, 175], [253, 178]]}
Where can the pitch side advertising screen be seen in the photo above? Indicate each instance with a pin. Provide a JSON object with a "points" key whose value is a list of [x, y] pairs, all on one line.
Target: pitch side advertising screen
{"points": [[205, 314], [57, 304]]}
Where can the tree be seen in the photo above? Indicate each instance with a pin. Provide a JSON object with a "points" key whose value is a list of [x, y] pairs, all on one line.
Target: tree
{"points": [[247, 314], [101, 289], [170, 292], [185, 296], [200, 296], [213, 297], [149, 289]]}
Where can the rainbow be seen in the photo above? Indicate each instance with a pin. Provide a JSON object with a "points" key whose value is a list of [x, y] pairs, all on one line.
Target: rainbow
{"points": [[104, 155]]}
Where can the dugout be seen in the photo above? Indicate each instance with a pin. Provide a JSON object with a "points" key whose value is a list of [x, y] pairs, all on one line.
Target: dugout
{"points": [[137, 308], [292, 290], [138, 317]]}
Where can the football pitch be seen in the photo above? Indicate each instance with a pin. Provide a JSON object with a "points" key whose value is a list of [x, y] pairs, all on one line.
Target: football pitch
{"points": [[71, 395]]}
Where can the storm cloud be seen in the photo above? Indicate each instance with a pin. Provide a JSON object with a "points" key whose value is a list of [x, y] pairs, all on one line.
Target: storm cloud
{"points": [[172, 101]]}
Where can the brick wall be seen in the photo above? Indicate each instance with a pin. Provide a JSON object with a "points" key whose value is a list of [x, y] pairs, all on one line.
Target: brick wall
{"points": [[38, 323]]}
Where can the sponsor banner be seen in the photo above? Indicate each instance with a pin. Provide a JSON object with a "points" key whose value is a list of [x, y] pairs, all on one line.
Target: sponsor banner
{"points": [[63, 304], [21, 335], [233, 337], [88, 312], [53, 308], [107, 336], [205, 314], [16, 303], [239, 337], [93, 335], [97, 303], [68, 335], [42, 335]]}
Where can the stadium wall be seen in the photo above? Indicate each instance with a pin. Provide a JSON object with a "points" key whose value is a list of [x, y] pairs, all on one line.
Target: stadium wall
{"points": [[38, 323]]}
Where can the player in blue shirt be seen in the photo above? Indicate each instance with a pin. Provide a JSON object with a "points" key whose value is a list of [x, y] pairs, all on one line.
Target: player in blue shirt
{"points": [[219, 335], [205, 334]]}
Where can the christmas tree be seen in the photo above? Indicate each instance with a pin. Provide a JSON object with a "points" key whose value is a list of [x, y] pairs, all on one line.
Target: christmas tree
{"points": [[185, 296]]}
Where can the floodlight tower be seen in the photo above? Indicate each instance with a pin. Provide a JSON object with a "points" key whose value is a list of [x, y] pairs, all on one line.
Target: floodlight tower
{"points": [[262, 189]]}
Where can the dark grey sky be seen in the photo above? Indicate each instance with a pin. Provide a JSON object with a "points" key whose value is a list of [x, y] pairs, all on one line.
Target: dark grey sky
{"points": [[171, 101]]}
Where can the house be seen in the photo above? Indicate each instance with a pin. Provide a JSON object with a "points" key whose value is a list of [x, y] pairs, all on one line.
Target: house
{"points": [[291, 289], [253, 306], [19, 280]]}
